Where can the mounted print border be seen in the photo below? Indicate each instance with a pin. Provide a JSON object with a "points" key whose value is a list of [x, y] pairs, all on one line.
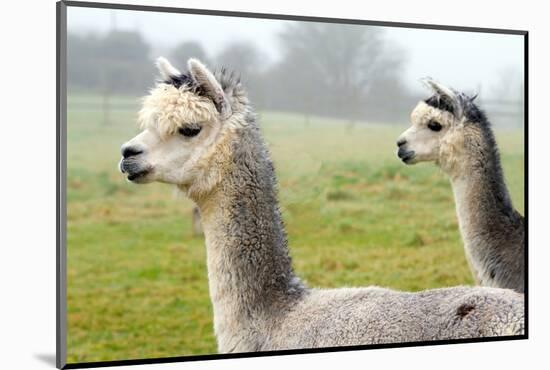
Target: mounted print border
{"points": [[61, 217]]}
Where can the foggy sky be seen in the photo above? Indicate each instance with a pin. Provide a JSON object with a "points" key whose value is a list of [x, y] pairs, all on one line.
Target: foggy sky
{"points": [[464, 60]]}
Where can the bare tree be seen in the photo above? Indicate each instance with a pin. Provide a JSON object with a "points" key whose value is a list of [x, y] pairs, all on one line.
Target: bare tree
{"points": [[114, 62], [240, 56], [509, 84], [506, 102], [334, 67], [188, 49], [250, 64]]}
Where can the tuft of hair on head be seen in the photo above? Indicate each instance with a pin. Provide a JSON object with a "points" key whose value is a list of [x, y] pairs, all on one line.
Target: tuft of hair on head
{"points": [[459, 104], [167, 70]]}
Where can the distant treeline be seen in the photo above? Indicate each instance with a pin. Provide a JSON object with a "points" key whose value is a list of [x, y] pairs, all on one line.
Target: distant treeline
{"points": [[331, 70]]}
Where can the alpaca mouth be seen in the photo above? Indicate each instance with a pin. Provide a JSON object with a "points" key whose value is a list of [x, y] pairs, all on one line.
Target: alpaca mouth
{"points": [[137, 175], [405, 155], [133, 170]]}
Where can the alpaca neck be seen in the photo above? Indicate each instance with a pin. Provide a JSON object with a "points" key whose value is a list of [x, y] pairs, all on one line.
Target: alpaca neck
{"points": [[250, 275], [484, 209]]}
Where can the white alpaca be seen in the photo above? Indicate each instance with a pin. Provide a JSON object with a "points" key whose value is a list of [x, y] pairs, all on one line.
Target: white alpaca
{"points": [[200, 134], [450, 130]]}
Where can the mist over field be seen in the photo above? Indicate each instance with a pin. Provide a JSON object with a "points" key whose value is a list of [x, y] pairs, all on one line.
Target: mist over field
{"points": [[356, 72]]}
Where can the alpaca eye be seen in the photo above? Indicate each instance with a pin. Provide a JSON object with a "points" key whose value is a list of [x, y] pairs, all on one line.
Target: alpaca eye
{"points": [[434, 126], [189, 131]]}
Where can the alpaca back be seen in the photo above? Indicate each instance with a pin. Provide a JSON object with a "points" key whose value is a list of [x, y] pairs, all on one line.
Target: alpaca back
{"points": [[373, 315]]}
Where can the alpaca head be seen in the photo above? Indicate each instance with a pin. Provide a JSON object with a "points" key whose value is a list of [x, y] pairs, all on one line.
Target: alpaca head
{"points": [[183, 120], [439, 127]]}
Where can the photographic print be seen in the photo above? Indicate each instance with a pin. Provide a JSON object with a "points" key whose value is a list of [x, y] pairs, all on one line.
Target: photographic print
{"points": [[242, 184]]}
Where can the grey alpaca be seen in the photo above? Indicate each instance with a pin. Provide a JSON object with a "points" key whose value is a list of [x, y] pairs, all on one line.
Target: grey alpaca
{"points": [[200, 134], [449, 129]]}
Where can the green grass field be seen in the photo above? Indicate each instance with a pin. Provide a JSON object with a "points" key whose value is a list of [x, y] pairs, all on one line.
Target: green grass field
{"points": [[355, 216]]}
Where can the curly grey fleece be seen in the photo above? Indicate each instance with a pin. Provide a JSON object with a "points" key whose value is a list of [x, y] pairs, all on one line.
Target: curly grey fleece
{"points": [[259, 303]]}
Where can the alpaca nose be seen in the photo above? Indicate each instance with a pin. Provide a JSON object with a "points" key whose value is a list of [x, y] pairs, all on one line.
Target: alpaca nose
{"points": [[401, 142], [130, 151]]}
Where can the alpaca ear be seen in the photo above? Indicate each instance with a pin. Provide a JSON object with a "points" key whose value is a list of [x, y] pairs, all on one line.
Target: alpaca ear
{"points": [[210, 86], [167, 70], [446, 94]]}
